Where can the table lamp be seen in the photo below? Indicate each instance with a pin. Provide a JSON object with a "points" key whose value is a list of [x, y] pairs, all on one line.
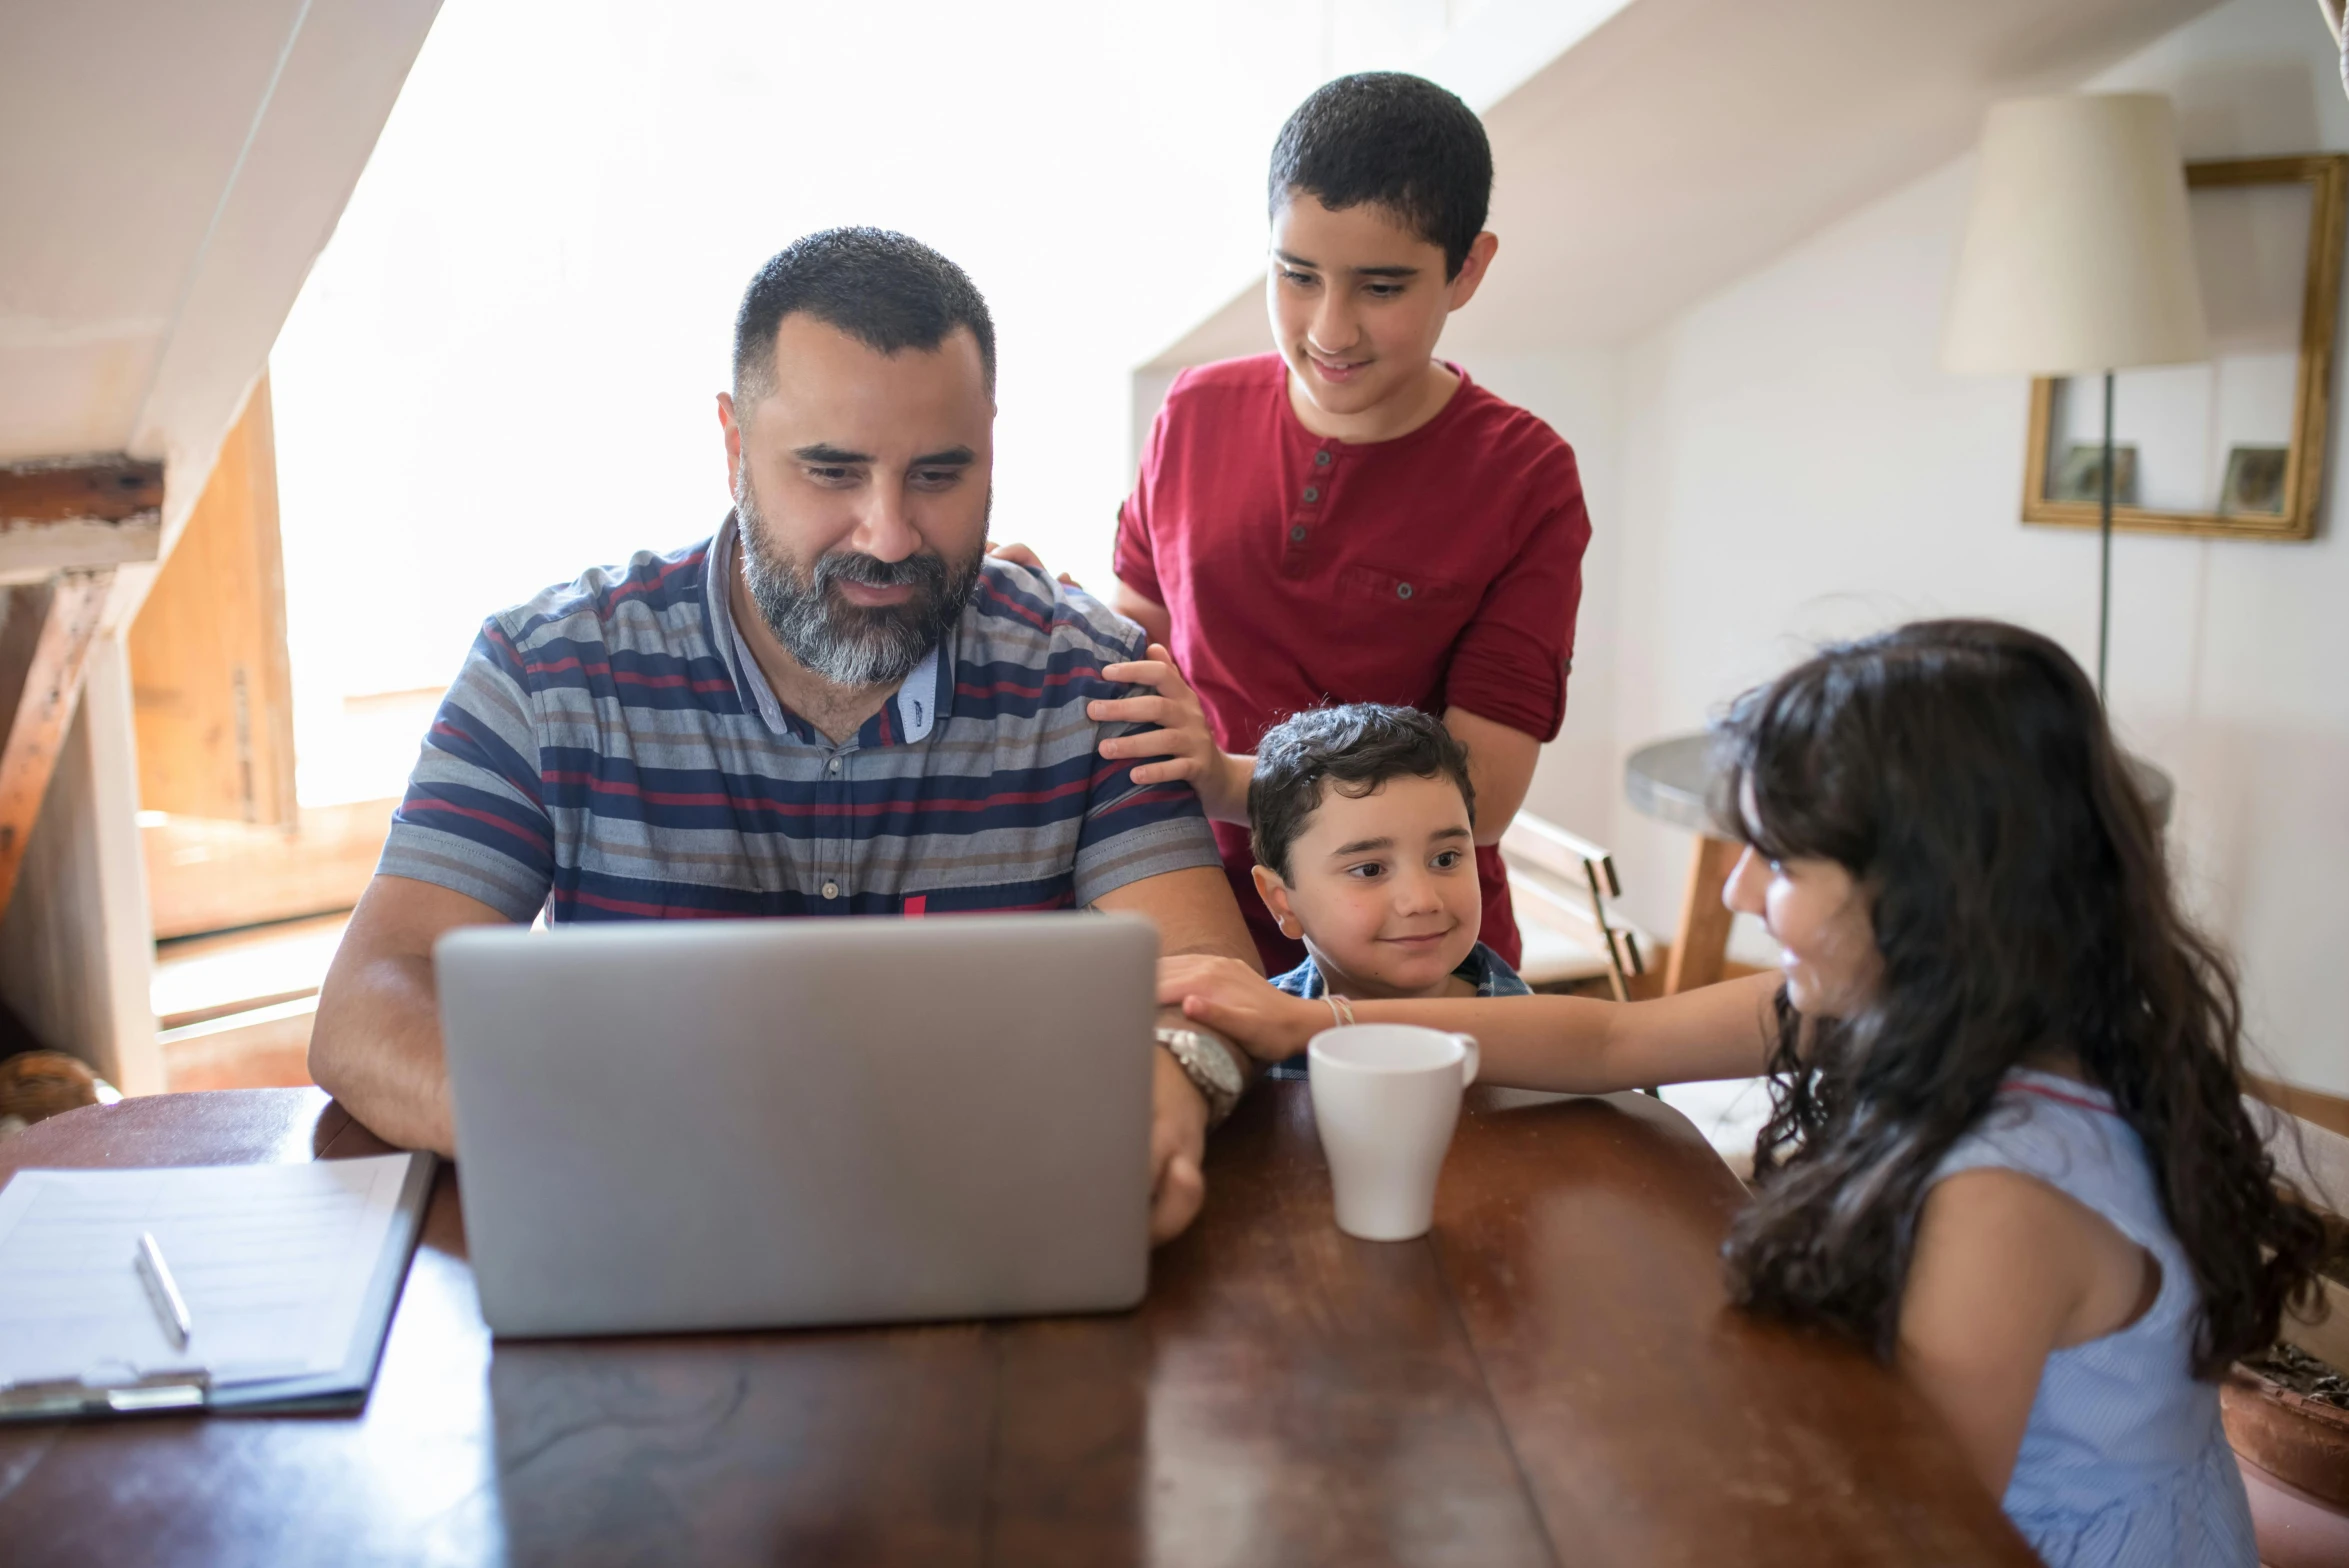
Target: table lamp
{"points": [[2078, 259]]}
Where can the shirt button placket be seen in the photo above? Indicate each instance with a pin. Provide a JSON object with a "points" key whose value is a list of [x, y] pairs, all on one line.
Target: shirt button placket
{"points": [[1299, 532], [836, 850]]}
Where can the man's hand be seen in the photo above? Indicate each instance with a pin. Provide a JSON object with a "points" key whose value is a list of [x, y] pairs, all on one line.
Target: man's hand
{"points": [[1194, 913], [1182, 736], [1178, 1141], [1241, 1005]]}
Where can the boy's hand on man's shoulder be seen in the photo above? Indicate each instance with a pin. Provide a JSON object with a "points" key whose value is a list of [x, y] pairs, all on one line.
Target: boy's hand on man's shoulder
{"points": [[1182, 736], [1021, 555]]}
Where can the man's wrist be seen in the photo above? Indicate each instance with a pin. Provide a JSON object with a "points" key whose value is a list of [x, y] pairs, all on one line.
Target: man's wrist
{"points": [[1211, 1065], [1172, 1071]]}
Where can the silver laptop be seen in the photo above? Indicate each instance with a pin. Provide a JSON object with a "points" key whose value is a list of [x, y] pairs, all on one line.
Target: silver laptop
{"points": [[675, 1125]]}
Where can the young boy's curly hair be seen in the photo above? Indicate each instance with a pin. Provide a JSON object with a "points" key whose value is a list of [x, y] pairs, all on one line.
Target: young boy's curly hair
{"points": [[1352, 749]]}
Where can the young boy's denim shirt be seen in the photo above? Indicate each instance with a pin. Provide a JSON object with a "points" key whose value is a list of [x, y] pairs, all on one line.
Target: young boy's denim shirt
{"points": [[1483, 968]]}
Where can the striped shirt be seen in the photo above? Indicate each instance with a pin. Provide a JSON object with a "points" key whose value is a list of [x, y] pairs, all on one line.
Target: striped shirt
{"points": [[610, 751]]}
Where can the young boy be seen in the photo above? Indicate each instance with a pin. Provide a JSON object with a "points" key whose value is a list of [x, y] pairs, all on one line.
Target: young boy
{"points": [[1360, 822], [1351, 519]]}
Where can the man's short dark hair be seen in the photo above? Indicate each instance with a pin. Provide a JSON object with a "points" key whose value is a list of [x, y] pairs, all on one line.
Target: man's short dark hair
{"points": [[1352, 749], [887, 291], [1399, 141]]}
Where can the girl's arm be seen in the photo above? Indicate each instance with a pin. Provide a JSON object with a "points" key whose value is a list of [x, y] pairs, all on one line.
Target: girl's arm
{"points": [[2005, 1270], [1567, 1044]]}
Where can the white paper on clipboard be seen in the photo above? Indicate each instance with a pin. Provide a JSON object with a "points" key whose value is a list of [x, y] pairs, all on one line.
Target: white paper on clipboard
{"points": [[278, 1264]]}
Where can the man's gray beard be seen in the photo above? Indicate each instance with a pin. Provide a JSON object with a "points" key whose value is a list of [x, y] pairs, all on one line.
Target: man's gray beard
{"points": [[852, 645]]}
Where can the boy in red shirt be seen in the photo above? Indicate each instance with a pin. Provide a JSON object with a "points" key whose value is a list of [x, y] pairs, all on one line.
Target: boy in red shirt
{"points": [[1351, 519]]}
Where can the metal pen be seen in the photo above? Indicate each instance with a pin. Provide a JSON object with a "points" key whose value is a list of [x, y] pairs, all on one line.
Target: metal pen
{"points": [[170, 1307]]}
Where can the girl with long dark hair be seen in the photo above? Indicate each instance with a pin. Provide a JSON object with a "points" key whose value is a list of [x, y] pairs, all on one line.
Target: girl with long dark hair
{"points": [[2008, 1149]]}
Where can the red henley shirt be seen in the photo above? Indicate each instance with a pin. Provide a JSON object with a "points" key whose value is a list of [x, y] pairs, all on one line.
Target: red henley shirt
{"points": [[1442, 568]]}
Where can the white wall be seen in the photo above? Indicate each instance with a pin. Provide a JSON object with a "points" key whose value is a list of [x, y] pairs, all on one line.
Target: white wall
{"points": [[1790, 464], [1580, 394], [504, 367]]}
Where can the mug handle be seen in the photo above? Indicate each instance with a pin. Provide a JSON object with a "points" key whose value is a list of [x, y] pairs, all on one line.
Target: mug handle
{"points": [[1468, 1059]]}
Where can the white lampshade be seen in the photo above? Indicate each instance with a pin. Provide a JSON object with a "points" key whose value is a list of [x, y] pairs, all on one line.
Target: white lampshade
{"points": [[2078, 258]]}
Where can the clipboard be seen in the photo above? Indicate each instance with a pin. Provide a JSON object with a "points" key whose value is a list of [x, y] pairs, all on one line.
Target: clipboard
{"points": [[314, 1253]]}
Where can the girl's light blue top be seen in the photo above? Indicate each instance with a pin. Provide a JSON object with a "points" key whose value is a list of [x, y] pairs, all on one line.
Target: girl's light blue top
{"points": [[2124, 1462]]}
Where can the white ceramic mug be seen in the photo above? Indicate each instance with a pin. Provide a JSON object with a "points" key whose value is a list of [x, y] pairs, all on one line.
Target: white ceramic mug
{"points": [[1385, 1098]]}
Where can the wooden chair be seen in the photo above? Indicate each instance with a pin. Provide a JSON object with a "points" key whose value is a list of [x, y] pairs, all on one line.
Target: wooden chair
{"points": [[1562, 886]]}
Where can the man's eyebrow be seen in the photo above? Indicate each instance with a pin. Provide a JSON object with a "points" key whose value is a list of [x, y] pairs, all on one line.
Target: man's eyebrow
{"points": [[947, 457], [1360, 845], [1447, 833], [825, 452]]}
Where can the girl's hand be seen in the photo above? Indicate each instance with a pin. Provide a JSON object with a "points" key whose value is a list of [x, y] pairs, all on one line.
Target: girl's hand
{"points": [[1182, 736], [1240, 1004]]}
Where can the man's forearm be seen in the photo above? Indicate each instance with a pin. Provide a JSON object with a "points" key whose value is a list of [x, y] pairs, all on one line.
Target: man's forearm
{"points": [[376, 1048]]}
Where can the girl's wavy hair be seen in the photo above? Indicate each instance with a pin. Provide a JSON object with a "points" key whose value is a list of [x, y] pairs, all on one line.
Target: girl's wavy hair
{"points": [[1963, 773]]}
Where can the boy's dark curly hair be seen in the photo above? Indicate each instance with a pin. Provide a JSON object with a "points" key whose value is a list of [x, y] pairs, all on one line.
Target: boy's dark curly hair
{"points": [[1352, 749]]}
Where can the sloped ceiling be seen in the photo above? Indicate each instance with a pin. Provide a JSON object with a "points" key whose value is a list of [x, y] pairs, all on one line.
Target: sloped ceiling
{"points": [[168, 173], [1681, 143]]}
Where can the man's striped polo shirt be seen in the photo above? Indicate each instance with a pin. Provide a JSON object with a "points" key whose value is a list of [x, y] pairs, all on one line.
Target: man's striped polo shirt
{"points": [[610, 751]]}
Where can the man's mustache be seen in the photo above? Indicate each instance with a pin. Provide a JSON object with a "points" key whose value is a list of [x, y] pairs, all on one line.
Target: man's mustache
{"points": [[924, 570]]}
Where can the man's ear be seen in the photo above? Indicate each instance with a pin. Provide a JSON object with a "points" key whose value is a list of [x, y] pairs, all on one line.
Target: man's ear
{"points": [[1473, 267], [1275, 894], [733, 429]]}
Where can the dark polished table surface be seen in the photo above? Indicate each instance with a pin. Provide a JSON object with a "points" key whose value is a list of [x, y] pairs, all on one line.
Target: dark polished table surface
{"points": [[1551, 1377]]}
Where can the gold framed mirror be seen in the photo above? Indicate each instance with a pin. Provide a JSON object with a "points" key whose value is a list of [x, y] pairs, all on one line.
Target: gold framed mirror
{"points": [[2233, 447]]}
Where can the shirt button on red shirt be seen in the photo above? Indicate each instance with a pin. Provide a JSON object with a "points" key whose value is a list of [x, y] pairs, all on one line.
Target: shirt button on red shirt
{"points": [[1297, 534], [1312, 494]]}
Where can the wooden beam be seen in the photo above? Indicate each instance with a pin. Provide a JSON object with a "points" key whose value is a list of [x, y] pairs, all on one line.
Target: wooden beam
{"points": [[48, 629], [210, 675], [107, 489], [77, 954], [78, 514]]}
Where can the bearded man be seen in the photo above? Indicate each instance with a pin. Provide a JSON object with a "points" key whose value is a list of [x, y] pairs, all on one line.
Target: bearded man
{"points": [[836, 705]]}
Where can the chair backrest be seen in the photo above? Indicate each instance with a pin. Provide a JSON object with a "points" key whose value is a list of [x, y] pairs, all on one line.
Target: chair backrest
{"points": [[1569, 875]]}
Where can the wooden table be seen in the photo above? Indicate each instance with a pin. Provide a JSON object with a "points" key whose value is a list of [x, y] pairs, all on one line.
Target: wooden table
{"points": [[1551, 1377], [1672, 781]]}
